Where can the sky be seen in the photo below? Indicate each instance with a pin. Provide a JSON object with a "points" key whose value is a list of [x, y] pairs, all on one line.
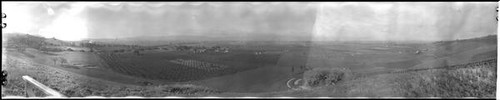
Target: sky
{"points": [[410, 21], [336, 21]]}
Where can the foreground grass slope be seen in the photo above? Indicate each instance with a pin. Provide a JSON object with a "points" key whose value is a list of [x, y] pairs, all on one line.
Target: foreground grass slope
{"points": [[76, 85], [472, 81]]}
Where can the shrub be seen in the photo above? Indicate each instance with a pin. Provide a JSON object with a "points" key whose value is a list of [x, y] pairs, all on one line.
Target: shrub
{"points": [[323, 77]]}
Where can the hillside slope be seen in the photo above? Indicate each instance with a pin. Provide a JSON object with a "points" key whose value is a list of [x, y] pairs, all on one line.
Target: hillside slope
{"points": [[76, 85], [465, 68], [37, 63]]}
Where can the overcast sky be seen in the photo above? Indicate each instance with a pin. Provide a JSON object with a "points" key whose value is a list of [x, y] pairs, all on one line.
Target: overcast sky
{"points": [[341, 21], [405, 21]]}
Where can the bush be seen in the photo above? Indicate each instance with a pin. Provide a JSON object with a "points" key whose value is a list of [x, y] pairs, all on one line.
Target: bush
{"points": [[323, 77]]}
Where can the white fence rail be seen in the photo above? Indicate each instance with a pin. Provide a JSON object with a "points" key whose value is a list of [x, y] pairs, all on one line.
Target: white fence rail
{"points": [[30, 82]]}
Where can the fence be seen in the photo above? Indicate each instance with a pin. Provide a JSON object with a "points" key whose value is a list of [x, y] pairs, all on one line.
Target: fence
{"points": [[30, 83]]}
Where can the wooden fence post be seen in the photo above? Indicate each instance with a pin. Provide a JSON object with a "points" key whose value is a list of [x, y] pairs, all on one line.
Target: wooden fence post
{"points": [[29, 90]]}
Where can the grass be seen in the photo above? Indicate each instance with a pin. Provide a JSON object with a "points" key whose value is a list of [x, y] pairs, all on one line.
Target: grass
{"points": [[74, 85], [476, 81], [485, 55], [400, 64]]}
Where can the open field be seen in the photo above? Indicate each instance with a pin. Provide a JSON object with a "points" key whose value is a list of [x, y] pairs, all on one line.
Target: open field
{"points": [[159, 65]]}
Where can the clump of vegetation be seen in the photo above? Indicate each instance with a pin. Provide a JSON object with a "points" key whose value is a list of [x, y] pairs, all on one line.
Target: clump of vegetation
{"points": [[323, 77], [187, 89]]}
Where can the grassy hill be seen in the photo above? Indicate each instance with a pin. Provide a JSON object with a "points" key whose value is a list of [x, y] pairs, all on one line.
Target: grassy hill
{"points": [[31, 41]]}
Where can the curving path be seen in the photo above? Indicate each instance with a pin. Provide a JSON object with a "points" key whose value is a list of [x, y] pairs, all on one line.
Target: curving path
{"points": [[294, 83]]}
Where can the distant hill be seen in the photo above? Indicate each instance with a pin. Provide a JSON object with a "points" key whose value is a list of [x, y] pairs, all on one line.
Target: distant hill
{"points": [[215, 37], [472, 49], [466, 43], [18, 40], [489, 39]]}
